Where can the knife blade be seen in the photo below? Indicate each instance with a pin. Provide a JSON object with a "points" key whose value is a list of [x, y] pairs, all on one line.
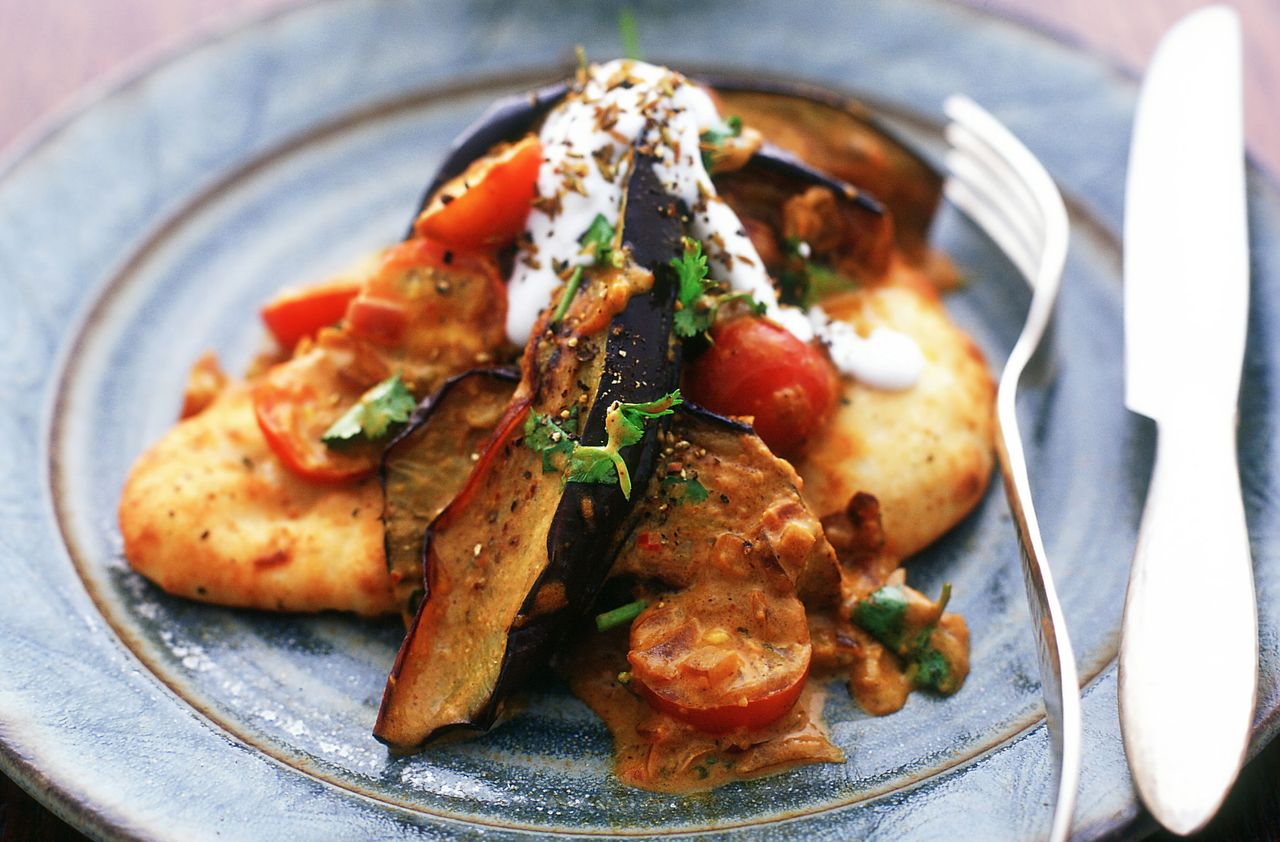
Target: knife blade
{"points": [[1189, 642]]}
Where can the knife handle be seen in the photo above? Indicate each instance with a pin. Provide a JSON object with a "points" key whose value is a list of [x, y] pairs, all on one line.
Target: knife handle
{"points": [[1189, 645]]}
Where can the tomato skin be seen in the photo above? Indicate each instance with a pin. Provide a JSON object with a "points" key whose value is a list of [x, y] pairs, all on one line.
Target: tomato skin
{"points": [[755, 367], [295, 314], [398, 302], [379, 320], [721, 655], [294, 403], [486, 205], [756, 713]]}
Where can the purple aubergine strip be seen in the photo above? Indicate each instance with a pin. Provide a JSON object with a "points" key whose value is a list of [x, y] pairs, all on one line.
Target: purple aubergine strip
{"points": [[779, 162], [641, 364], [428, 463], [819, 96]]}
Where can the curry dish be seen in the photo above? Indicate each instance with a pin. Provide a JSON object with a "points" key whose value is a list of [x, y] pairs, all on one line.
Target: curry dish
{"points": [[658, 392]]}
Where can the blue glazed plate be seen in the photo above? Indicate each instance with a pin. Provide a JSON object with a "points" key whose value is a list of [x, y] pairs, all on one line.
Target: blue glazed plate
{"points": [[147, 227]]}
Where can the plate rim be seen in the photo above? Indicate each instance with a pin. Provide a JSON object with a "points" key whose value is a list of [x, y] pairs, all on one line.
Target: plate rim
{"points": [[24, 148]]}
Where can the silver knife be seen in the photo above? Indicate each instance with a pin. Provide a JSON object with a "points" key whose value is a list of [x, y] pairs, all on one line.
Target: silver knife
{"points": [[1189, 645]]}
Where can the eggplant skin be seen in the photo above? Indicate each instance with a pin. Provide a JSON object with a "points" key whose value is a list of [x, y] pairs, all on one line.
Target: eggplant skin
{"points": [[507, 119], [428, 463], [839, 136], [642, 364], [518, 556]]}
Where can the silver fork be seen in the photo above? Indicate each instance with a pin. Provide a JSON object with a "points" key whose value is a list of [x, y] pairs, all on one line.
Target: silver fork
{"points": [[1001, 186]]}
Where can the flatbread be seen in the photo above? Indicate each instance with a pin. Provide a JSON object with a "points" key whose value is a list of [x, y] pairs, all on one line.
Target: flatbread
{"points": [[209, 513], [924, 453]]}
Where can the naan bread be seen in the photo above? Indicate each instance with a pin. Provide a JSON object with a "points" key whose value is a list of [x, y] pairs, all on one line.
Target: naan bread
{"points": [[924, 453], [211, 514]]}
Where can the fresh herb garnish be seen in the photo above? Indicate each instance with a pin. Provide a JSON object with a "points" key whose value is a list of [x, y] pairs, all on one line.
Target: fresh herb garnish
{"points": [[684, 490], [624, 425], [930, 670], [692, 317], [599, 239], [629, 35], [699, 301], [804, 282], [713, 138], [881, 615], [384, 407], [620, 615], [544, 435]]}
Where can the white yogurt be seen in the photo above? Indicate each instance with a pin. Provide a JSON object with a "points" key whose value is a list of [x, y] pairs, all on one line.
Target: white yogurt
{"points": [[663, 110]]}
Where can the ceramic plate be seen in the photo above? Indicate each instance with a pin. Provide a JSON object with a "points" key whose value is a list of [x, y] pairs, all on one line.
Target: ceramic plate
{"points": [[148, 226]]}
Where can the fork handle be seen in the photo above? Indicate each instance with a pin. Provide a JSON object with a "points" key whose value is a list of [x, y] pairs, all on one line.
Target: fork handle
{"points": [[1189, 645]]}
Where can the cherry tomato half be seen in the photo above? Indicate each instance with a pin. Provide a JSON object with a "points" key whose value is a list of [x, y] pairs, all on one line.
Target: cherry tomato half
{"points": [[757, 368], [487, 205], [708, 658], [295, 402], [298, 313]]}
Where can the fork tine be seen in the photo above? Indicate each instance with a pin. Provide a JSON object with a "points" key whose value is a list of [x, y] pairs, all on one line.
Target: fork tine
{"points": [[976, 201], [984, 210], [1006, 191], [999, 173], [1009, 210], [1030, 172]]}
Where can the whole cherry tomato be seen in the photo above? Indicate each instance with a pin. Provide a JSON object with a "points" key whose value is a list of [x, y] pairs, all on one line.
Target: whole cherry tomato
{"points": [[757, 368]]}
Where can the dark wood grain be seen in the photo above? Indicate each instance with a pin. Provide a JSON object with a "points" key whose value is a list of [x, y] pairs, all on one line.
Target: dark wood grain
{"points": [[51, 51]]}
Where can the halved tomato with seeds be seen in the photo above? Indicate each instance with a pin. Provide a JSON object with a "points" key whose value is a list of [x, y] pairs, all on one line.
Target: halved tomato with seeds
{"points": [[757, 368], [720, 659]]}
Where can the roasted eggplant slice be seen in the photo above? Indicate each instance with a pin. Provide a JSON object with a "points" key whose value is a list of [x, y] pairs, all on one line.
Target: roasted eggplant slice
{"points": [[838, 135], [844, 227], [518, 555], [429, 462]]}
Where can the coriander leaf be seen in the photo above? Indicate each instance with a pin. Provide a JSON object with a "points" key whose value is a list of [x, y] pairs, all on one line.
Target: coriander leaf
{"points": [[685, 490], [632, 416], [543, 435], [793, 287], [599, 234], [624, 426], [620, 615], [805, 282], [699, 301], [881, 615], [824, 282], [930, 670], [689, 322], [387, 405], [691, 267], [599, 237], [599, 465]]}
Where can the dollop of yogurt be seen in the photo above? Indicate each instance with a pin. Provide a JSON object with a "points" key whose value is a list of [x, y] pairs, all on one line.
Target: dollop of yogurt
{"points": [[587, 144]]}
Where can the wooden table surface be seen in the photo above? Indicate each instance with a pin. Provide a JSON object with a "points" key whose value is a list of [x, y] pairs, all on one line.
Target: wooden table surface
{"points": [[50, 51]]}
